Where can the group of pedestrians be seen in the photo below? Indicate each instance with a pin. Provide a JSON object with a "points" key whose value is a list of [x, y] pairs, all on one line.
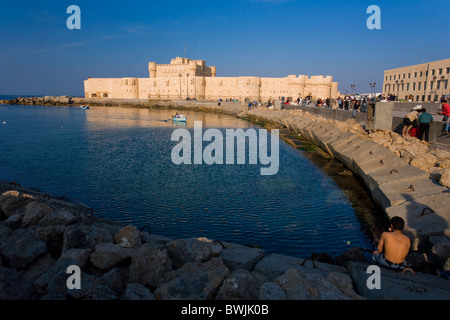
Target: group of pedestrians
{"points": [[419, 118]]}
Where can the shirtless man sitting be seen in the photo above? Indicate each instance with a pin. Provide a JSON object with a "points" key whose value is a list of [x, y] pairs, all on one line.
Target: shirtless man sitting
{"points": [[393, 246]]}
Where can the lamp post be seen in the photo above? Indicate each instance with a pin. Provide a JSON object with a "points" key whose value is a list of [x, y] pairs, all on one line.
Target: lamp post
{"points": [[372, 88], [187, 86], [180, 75]]}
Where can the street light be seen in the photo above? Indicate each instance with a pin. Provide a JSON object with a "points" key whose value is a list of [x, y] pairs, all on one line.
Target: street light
{"points": [[180, 75], [187, 86], [372, 88]]}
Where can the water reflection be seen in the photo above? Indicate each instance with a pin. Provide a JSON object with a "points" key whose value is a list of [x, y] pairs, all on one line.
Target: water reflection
{"points": [[99, 118]]}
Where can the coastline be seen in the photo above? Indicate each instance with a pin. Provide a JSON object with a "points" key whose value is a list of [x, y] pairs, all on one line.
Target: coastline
{"points": [[428, 230]]}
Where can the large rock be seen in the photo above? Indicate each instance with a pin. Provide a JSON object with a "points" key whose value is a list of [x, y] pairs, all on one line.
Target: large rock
{"points": [[85, 237], [13, 285], [58, 217], [239, 285], [128, 236], [53, 282], [442, 250], [149, 264], [308, 286], [14, 221], [79, 257], [271, 291], [136, 291], [92, 288], [21, 248], [194, 281], [113, 280], [12, 202], [52, 235], [235, 257], [34, 212], [182, 251], [108, 255], [445, 178]]}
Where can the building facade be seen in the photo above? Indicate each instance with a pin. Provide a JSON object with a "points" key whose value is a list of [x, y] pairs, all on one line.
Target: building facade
{"points": [[191, 79], [426, 82]]}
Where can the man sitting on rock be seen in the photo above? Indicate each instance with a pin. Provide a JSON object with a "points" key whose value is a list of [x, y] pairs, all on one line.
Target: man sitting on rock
{"points": [[393, 246]]}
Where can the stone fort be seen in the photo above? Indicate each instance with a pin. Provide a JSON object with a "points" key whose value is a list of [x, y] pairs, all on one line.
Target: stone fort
{"points": [[191, 79]]}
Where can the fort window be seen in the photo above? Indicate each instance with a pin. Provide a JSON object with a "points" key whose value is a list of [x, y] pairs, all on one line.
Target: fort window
{"points": [[94, 95], [105, 95]]}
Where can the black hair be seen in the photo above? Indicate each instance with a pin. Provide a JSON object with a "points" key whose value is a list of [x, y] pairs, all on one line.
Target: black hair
{"points": [[423, 110], [398, 223]]}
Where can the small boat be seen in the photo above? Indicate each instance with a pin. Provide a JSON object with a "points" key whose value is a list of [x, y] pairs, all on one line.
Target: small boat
{"points": [[180, 119], [84, 107]]}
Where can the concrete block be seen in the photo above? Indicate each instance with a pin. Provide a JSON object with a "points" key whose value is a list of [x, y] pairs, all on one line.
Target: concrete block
{"points": [[395, 285], [420, 219]]}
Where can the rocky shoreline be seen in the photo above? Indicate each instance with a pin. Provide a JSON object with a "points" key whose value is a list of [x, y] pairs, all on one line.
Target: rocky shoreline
{"points": [[40, 236]]}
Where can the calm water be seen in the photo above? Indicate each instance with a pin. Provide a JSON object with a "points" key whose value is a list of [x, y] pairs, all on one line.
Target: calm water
{"points": [[118, 161]]}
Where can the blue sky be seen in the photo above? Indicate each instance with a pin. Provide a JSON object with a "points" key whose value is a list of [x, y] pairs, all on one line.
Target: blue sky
{"points": [[269, 38]]}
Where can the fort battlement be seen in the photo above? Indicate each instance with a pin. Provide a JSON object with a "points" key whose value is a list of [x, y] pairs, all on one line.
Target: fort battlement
{"points": [[184, 78]]}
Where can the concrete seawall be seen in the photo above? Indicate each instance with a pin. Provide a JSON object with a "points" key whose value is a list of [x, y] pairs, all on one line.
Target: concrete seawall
{"points": [[396, 186]]}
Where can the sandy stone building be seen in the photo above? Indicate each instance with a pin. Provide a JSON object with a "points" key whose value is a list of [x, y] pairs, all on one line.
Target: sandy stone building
{"points": [[185, 78], [426, 82]]}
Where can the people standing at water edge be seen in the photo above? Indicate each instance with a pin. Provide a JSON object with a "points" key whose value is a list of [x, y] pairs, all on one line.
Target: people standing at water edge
{"points": [[393, 246], [446, 113], [410, 120], [424, 124]]}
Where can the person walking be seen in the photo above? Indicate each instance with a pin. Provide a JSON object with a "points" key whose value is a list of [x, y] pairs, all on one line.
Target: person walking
{"points": [[425, 120], [446, 113]]}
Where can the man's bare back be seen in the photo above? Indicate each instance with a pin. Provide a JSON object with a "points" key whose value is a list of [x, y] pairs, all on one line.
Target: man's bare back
{"points": [[395, 246]]}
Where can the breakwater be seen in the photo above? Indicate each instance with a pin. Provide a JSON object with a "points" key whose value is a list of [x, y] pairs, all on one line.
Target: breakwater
{"points": [[288, 277]]}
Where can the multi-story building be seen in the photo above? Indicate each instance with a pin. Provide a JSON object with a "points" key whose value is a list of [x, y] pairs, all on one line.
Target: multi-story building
{"points": [[426, 82], [191, 79]]}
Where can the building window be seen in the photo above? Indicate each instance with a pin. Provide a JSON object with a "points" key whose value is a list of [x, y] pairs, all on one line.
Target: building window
{"points": [[403, 87], [438, 85], [409, 75], [418, 85], [431, 86], [429, 98], [414, 86], [390, 77], [440, 71], [415, 74], [425, 85], [448, 70], [433, 72], [404, 75], [407, 87], [446, 84], [394, 76]]}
